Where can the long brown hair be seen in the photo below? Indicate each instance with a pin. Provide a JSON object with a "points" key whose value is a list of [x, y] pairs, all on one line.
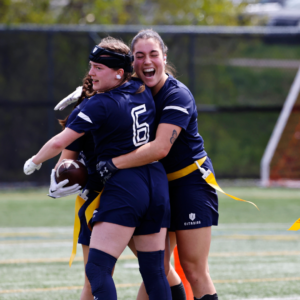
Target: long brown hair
{"points": [[87, 92], [148, 34]]}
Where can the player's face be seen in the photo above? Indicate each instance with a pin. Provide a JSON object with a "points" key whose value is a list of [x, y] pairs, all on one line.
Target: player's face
{"points": [[103, 77], [149, 63]]}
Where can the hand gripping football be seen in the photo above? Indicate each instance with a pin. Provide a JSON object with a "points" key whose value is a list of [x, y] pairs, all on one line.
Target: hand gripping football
{"points": [[73, 170]]}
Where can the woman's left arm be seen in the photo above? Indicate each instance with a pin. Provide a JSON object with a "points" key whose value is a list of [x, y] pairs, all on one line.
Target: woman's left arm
{"points": [[166, 135]]}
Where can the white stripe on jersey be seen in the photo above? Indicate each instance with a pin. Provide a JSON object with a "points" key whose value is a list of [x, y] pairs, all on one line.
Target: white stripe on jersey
{"points": [[177, 108], [84, 117]]}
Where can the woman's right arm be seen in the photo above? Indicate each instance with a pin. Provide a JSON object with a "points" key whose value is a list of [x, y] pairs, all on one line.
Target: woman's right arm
{"points": [[166, 135], [58, 190], [67, 154]]}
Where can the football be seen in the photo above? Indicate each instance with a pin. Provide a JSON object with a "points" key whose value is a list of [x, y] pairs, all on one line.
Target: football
{"points": [[73, 170]]}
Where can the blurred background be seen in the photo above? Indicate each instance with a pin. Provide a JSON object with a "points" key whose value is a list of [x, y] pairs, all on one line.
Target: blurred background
{"points": [[239, 59]]}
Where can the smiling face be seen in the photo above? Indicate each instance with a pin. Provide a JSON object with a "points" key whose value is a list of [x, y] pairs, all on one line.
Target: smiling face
{"points": [[104, 78], [149, 63]]}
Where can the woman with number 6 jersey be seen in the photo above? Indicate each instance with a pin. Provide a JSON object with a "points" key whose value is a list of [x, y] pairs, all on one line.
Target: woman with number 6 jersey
{"points": [[81, 149], [134, 202], [194, 204]]}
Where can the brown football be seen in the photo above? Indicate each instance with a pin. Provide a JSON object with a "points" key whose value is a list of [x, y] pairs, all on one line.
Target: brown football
{"points": [[73, 170]]}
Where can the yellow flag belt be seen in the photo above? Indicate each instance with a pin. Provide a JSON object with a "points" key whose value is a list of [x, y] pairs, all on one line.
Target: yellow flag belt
{"points": [[88, 215], [208, 176], [295, 226]]}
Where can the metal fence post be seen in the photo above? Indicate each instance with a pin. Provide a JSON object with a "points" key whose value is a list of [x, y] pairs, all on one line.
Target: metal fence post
{"points": [[50, 93]]}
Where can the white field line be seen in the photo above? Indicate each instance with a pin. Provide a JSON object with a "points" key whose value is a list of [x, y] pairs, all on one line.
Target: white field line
{"points": [[51, 260], [130, 257], [138, 284], [62, 288], [259, 237], [281, 298], [233, 236], [68, 230], [256, 280]]}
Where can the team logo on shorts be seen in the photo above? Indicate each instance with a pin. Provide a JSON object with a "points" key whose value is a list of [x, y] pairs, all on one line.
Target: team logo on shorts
{"points": [[94, 213], [192, 216]]}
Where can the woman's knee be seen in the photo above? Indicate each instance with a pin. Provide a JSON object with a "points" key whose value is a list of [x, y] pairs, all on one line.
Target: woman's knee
{"points": [[194, 270]]}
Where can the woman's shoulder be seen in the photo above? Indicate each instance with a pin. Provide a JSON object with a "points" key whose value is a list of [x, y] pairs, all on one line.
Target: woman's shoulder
{"points": [[76, 111], [175, 83], [178, 89]]}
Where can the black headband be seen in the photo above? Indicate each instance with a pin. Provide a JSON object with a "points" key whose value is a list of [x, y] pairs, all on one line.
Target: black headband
{"points": [[115, 60]]}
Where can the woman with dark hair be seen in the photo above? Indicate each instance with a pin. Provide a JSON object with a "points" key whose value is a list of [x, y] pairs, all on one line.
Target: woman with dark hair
{"points": [[180, 148], [135, 201]]}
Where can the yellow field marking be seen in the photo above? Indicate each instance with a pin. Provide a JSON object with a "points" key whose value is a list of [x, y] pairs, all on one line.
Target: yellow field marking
{"points": [[35, 241], [41, 289], [123, 285], [38, 260], [260, 237], [51, 260], [14, 234], [62, 288]]}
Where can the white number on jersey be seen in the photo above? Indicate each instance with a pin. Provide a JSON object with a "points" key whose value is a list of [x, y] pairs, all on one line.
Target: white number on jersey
{"points": [[140, 131]]}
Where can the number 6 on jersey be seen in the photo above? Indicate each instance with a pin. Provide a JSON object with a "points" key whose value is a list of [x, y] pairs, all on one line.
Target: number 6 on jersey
{"points": [[140, 131]]}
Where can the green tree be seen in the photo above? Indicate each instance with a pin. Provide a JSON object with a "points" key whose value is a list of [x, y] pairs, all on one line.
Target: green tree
{"points": [[199, 12], [147, 12], [26, 11]]}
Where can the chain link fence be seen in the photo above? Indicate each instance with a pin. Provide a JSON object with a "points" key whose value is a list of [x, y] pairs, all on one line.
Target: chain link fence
{"points": [[239, 76]]}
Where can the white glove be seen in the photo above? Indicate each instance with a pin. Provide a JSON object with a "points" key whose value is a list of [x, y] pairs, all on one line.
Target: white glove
{"points": [[30, 166], [72, 98], [57, 190], [84, 195]]}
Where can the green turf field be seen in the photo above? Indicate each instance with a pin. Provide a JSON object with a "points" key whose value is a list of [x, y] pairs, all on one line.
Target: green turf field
{"points": [[253, 256]]}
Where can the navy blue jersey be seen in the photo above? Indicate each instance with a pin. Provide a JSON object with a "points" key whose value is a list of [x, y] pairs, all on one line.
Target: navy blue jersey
{"points": [[176, 105], [85, 144], [120, 120]]}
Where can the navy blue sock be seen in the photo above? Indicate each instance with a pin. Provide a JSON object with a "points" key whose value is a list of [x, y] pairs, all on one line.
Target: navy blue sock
{"points": [[153, 273], [178, 292], [208, 297], [98, 270]]}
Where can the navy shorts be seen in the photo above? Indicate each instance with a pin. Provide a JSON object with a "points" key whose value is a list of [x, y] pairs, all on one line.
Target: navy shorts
{"points": [[194, 203], [136, 197], [85, 232]]}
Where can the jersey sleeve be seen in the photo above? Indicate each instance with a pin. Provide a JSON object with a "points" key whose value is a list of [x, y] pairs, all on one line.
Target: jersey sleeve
{"points": [[91, 117], [178, 108], [77, 145]]}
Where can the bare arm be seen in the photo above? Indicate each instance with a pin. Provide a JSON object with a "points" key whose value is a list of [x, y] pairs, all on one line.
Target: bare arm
{"points": [[67, 154], [57, 144], [166, 135]]}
